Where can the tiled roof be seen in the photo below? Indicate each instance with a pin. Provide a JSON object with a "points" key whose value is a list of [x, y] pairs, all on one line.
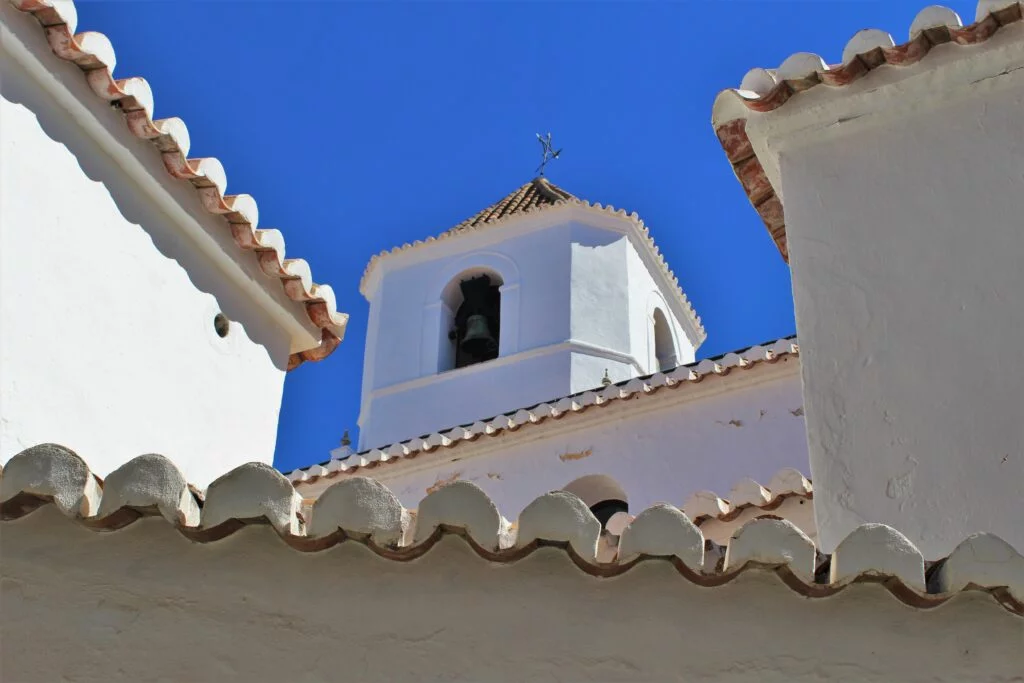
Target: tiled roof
{"points": [[94, 55], [538, 193], [361, 510], [638, 387], [541, 195], [748, 493], [765, 90]]}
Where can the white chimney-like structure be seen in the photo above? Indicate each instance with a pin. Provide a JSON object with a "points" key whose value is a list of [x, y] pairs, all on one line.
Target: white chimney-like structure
{"points": [[895, 182]]}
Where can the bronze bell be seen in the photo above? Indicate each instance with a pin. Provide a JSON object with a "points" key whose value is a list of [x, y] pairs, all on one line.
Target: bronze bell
{"points": [[477, 341]]}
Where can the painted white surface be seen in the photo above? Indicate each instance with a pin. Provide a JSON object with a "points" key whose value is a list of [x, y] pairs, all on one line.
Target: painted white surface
{"points": [[576, 301], [144, 603], [661, 448], [906, 233], [795, 509], [107, 311]]}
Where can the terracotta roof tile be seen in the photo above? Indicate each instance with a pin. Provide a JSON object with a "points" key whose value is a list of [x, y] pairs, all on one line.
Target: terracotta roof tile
{"points": [[538, 193], [765, 90], [369, 514], [94, 55], [747, 493], [557, 409]]}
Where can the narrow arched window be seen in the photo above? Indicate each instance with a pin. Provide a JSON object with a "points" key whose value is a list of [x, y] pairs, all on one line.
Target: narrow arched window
{"points": [[472, 303], [664, 347], [601, 494]]}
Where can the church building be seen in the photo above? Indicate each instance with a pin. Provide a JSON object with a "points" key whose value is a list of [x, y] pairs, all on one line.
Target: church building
{"points": [[551, 482], [545, 344]]}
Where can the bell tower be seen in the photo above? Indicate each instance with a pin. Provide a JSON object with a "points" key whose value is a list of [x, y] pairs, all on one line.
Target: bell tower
{"points": [[538, 296]]}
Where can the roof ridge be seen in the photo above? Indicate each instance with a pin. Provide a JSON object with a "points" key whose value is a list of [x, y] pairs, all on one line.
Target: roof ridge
{"points": [[558, 408], [360, 510], [764, 90], [94, 55]]}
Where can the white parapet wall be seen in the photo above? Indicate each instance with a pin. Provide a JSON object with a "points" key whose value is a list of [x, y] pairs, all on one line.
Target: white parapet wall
{"points": [[904, 222], [136, 582], [107, 308]]}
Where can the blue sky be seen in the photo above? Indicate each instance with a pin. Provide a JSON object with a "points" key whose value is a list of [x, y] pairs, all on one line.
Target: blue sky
{"points": [[360, 126]]}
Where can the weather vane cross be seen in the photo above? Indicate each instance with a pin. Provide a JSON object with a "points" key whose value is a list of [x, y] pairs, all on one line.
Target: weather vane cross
{"points": [[549, 153]]}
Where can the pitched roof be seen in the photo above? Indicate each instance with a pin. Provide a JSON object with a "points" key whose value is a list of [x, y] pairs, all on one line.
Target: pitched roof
{"points": [[766, 90], [682, 377], [361, 510], [538, 193], [93, 53]]}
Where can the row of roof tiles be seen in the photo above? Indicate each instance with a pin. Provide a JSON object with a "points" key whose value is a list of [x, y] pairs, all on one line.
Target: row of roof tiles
{"points": [[764, 90], [532, 198], [748, 493], [93, 53], [638, 387], [363, 510]]}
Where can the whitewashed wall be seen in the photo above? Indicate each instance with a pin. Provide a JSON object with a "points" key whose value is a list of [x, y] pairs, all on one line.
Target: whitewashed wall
{"points": [[662, 448], [107, 312], [144, 603], [574, 297], [906, 235]]}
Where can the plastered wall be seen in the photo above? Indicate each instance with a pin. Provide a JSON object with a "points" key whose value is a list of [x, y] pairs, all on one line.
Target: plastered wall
{"points": [[144, 604], [906, 236], [576, 301], [661, 448], [108, 312]]}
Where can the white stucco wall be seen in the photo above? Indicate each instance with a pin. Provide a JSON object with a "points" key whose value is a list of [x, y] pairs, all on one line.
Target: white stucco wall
{"points": [[574, 300], [107, 311], [906, 236], [661, 448], [145, 604]]}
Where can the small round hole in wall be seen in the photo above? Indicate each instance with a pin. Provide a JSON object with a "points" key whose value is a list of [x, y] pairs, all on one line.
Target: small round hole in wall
{"points": [[221, 325]]}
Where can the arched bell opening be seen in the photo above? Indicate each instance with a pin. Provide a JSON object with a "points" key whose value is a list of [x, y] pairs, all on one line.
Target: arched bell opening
{"points": [[664, 346], [472, 307], [602, 494]]}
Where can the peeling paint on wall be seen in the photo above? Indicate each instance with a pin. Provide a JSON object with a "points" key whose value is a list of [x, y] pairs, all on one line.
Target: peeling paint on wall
{"points": [[441, 482], [579, 455]]}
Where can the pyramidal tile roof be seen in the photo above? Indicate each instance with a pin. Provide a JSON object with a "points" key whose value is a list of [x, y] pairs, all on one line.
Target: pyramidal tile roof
{"points": [[538, 193]]}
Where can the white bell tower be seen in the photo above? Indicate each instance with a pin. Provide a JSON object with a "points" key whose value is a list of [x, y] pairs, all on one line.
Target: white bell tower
{"points": [[571, 291]]}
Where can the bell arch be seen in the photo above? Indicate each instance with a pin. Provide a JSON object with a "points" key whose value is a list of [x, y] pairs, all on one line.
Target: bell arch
{"points": [[664, 345], [602, 494], [445, 297], [662, 339], [471, 313]]}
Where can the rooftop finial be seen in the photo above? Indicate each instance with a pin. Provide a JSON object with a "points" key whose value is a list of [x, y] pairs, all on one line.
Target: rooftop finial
{"points": [[549, 153], [345, 440], [606, 380]]}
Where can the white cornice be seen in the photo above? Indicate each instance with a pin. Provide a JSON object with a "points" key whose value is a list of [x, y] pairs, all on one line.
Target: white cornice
{"points": [[542, 218]]}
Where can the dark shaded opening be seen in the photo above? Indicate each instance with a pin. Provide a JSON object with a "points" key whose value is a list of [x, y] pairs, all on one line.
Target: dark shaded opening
{"points": [[607, 508], [221, 325], [477, 322]]}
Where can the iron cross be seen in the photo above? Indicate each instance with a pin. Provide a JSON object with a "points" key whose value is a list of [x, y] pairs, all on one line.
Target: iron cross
{"points": [[549, 153]]}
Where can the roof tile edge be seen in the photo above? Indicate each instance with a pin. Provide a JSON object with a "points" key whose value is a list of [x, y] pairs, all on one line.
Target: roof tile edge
{"points": [[557, 409], [93, 53], [765, 90], [700, 334], [255, 494]]}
